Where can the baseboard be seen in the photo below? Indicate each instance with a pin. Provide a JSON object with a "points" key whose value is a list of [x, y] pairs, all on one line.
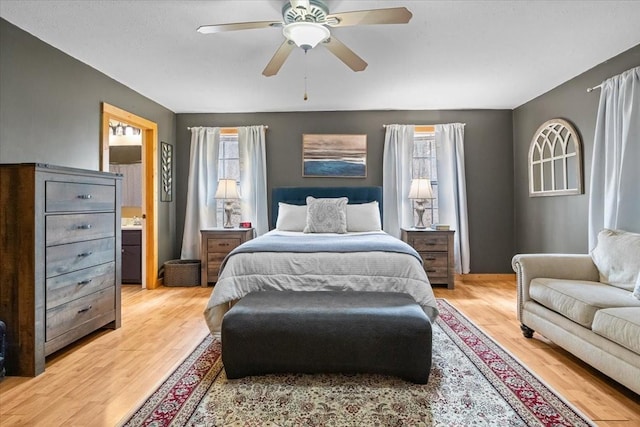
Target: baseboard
{"points": [[485, 277]]}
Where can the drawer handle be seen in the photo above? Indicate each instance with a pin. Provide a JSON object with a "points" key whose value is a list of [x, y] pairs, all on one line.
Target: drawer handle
{"points": [[84, 196], [431, 270], [84, 227], [85, 254], [85, 282], [431, 244], [223, 244], [84, 310], [430, 259]]}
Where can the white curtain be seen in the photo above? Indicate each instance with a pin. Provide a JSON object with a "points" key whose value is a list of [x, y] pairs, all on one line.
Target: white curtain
{"points": [[452, 189], [614, 191], [203, 180], [396, 178], [253, 177]]}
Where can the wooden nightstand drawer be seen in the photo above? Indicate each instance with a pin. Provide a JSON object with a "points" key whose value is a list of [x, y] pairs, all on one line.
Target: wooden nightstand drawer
{"points": [[434, 259], [429, 242], [222, 245]]}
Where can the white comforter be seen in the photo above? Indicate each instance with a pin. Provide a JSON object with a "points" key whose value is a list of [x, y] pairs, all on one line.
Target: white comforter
{"points": [[318, 271]]}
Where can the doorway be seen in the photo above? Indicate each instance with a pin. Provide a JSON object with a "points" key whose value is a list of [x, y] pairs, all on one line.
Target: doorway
{"points": [[148, 215]]}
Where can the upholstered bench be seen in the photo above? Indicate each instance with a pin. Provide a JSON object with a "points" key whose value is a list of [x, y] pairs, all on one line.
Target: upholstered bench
{"points": [[327, 332]]}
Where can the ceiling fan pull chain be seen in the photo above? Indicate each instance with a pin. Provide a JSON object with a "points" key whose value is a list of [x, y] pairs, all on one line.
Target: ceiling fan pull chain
{"points": [[305, 75]]}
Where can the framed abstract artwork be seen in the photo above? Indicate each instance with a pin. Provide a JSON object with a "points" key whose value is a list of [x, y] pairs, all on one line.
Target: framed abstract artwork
{"points": [[329, 155]]}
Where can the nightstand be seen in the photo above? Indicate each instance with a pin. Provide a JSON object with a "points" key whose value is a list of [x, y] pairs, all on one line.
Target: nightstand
{"points": [[216, 244], [436, 249]]}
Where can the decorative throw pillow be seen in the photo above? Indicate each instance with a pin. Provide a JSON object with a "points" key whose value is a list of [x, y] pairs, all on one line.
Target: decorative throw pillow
{"points": [[617, 257], [636, 290], [326, 215], [363, 217], [291, 217]]}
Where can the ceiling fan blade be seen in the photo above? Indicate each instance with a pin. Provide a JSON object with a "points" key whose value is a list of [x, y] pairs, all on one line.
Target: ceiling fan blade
{"points": [[218, 28], [345, 54], [278, 59], [394, 15]]}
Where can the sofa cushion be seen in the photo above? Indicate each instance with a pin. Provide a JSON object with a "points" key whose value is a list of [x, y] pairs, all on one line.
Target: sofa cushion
{"points": [[636, 290], [579, 300], [617, 256], [620, 325]]}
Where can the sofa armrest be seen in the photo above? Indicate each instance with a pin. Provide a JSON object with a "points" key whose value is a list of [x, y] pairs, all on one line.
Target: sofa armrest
{"points": [[555, 266]]}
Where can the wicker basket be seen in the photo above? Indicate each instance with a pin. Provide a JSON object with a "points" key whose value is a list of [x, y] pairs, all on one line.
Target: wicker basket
{"points": [[182, 272]]}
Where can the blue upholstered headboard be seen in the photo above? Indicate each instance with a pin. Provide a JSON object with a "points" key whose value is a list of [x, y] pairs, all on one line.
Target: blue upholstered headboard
{"points": [[298, 196]]}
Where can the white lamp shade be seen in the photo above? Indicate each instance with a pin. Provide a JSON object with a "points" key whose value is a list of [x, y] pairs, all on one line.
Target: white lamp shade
{"points": [[420, 189], [306, 34], [227, 189]]}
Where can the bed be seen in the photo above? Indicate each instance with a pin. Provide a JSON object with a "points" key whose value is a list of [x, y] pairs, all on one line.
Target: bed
{"points": [[357, 256]]}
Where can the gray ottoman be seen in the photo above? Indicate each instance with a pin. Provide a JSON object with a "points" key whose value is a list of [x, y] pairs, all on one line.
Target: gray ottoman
{"points": [[324, 332]]}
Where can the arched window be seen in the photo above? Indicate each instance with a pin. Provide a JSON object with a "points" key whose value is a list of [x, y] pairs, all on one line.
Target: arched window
{"points": [[555, 160]]}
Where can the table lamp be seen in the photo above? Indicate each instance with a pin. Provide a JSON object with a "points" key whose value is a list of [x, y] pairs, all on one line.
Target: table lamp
{"points": [[420, 191], [227, 191]]}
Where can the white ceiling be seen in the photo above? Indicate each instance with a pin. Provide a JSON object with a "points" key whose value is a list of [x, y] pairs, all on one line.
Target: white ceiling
{"points": [[451, 55]]}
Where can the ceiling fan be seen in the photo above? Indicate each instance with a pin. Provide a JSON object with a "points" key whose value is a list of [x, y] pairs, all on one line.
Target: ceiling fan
{"points": [[306, 23]]}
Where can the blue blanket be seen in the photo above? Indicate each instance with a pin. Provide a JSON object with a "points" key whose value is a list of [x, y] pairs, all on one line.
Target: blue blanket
{"points": [[313, 243]]}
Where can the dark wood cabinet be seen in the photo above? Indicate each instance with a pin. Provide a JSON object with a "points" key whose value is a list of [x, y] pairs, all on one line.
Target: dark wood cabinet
{"points": [[215, 245], [132, 256], [436, 250], [60, 259]]}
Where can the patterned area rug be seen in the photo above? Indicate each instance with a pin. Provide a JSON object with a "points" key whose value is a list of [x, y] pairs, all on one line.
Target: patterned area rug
{"points": [[473, 381]]}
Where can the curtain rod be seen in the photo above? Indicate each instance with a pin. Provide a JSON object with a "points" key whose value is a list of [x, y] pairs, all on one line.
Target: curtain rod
{"points": [[417, 126], [591, 89], [229, 128]]}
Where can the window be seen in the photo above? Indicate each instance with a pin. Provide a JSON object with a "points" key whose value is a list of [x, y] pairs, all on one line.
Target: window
{"points": [[229, 168], [424, 165]]}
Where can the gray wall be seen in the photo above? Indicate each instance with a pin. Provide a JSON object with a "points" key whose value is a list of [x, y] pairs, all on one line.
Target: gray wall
{"points": [[488, 162], [559, 223], [50, 112]]}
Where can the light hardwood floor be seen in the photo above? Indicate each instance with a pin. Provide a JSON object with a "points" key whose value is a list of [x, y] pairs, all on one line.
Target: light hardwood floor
{"points": [[100, 379]]}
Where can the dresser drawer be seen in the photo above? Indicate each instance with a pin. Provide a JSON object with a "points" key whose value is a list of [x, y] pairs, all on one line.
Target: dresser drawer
{"points": [[73, 228], [65, 317], [222, 245], [68, 287], [426, 242], [78, 197], [63, 259]]}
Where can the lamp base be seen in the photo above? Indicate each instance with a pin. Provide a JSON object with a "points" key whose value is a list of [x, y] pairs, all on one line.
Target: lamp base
{"points": [[227, 215], [420, 212]]}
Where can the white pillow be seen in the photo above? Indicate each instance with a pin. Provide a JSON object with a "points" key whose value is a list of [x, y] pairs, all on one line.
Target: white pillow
{"points": [[291, 217], [617, 257], [363, 217], [326, 215], [636, 290]]}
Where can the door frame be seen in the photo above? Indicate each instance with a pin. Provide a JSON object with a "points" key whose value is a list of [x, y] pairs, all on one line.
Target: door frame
{"points": [[149, 131]]}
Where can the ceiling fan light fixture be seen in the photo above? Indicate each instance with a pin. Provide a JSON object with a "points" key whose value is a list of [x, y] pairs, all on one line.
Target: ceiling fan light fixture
{"points": [[306, 35]]}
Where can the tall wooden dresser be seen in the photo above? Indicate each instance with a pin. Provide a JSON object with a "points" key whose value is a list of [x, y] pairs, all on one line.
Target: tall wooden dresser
{"points": [[60, 259]]}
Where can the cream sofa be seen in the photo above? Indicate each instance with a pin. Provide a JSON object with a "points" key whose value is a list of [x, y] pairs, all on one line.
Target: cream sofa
{"points": [[586, 303]]}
